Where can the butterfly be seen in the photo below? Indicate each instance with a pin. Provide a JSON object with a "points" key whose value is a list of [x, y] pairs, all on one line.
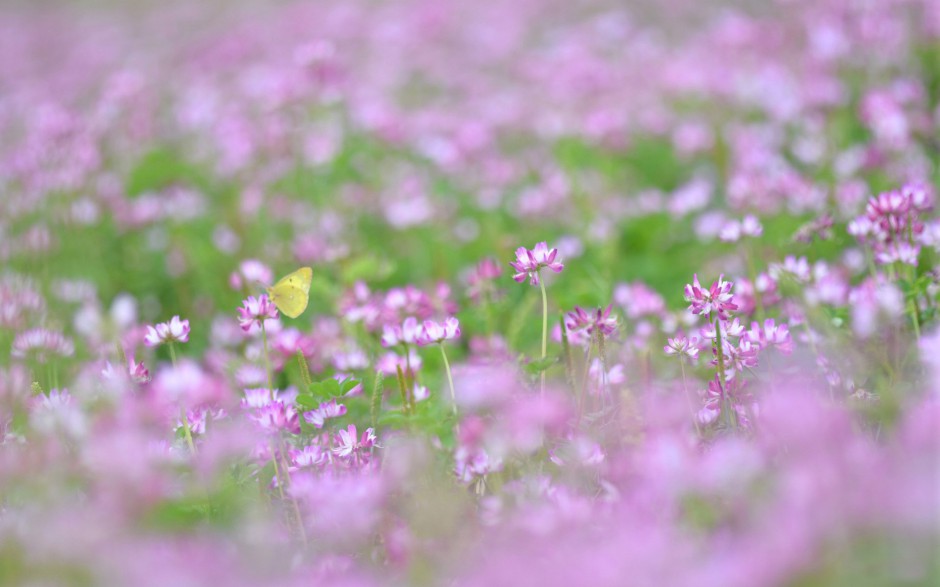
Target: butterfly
{"points": [[291, 293]]}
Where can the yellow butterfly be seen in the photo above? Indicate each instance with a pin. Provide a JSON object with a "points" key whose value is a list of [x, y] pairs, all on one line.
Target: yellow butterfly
{"points": [[292, 292]]}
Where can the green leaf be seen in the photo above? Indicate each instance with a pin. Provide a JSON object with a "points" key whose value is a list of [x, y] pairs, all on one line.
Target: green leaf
{"points": [[307, 400], [538, 366], [393, 419]]}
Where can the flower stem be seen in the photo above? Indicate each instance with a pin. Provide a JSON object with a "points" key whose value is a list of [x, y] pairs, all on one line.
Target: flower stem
{"points": [[184, 418], [450, 380], [544, 332], [267, 362], [726, 407], [685, 392]]}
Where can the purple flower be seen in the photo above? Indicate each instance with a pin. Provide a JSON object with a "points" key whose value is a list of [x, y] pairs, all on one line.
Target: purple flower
{"points": [[324, 411], [255, 310], [251, 271], [407, 333], [137, 371], [480, 280], [347, 443], [771, 334], [740, 400], [277, 415], [596, 320], [433, 332], [528, 263], [718, 298], [175, 330], [680, 345], [257, 397], [389, 363], [310, 456], [39, 342]]}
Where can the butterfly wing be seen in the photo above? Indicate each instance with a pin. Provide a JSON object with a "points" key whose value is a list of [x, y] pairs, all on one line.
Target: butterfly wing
{"points": [[290, 300], [292, 292]]}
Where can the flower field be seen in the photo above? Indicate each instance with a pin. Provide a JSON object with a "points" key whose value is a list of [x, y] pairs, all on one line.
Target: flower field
{"points": [[470, 293]]}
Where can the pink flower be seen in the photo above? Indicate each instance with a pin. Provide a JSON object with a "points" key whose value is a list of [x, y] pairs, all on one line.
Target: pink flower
{"points": [[529, 263], [389, 363], [175, 330], [420, 393], [255, 310], [740, 401], [137, 371], [718, 298], [480, 280], [277, 415], [310, 456], [638, 300], [734, 230], [324, 411], [347, 443], [680, 345], [37, 342], [407, 333], [257, 397], [251, 271], [432, 332], [769, 335], [596, 320]]}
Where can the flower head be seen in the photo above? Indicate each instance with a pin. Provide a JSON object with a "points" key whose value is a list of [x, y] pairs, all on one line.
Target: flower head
{"points": [[680, 345], [770, 334], [598, 320], [40, 342], [529, 263], [407, 333], [432, 332], [324, 411], [175, 330], [717, 299], [348, 444], [255, 310], [480, 281]]}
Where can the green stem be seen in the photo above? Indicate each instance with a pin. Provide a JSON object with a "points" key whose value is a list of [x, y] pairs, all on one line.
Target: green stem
{"points": [[544, 331], [584, 380], [566, 351], [726, 406], [267, 362], [685, 392], [184, 418], [450, 380], [402, 388]]}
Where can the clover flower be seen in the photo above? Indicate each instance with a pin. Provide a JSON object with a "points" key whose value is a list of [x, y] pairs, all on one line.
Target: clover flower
{"points": [[598, 320], [770, 334], [529, 263], [324, 411], [433, 332], [481, 278], [406, 334], [175, 330], [717, 299], [349, 444], [40, 343], [680, 345], [256, 310]]}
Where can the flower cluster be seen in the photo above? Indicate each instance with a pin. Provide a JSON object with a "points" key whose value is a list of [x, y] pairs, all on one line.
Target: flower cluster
{"points": [[432, 332], [255, 311], [893, 224], [175, 330], [530, 262], [717, 300], [596, 321]]}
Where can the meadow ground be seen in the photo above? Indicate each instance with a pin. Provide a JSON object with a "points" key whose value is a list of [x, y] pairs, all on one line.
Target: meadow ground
{"points": [[599, 293]]}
